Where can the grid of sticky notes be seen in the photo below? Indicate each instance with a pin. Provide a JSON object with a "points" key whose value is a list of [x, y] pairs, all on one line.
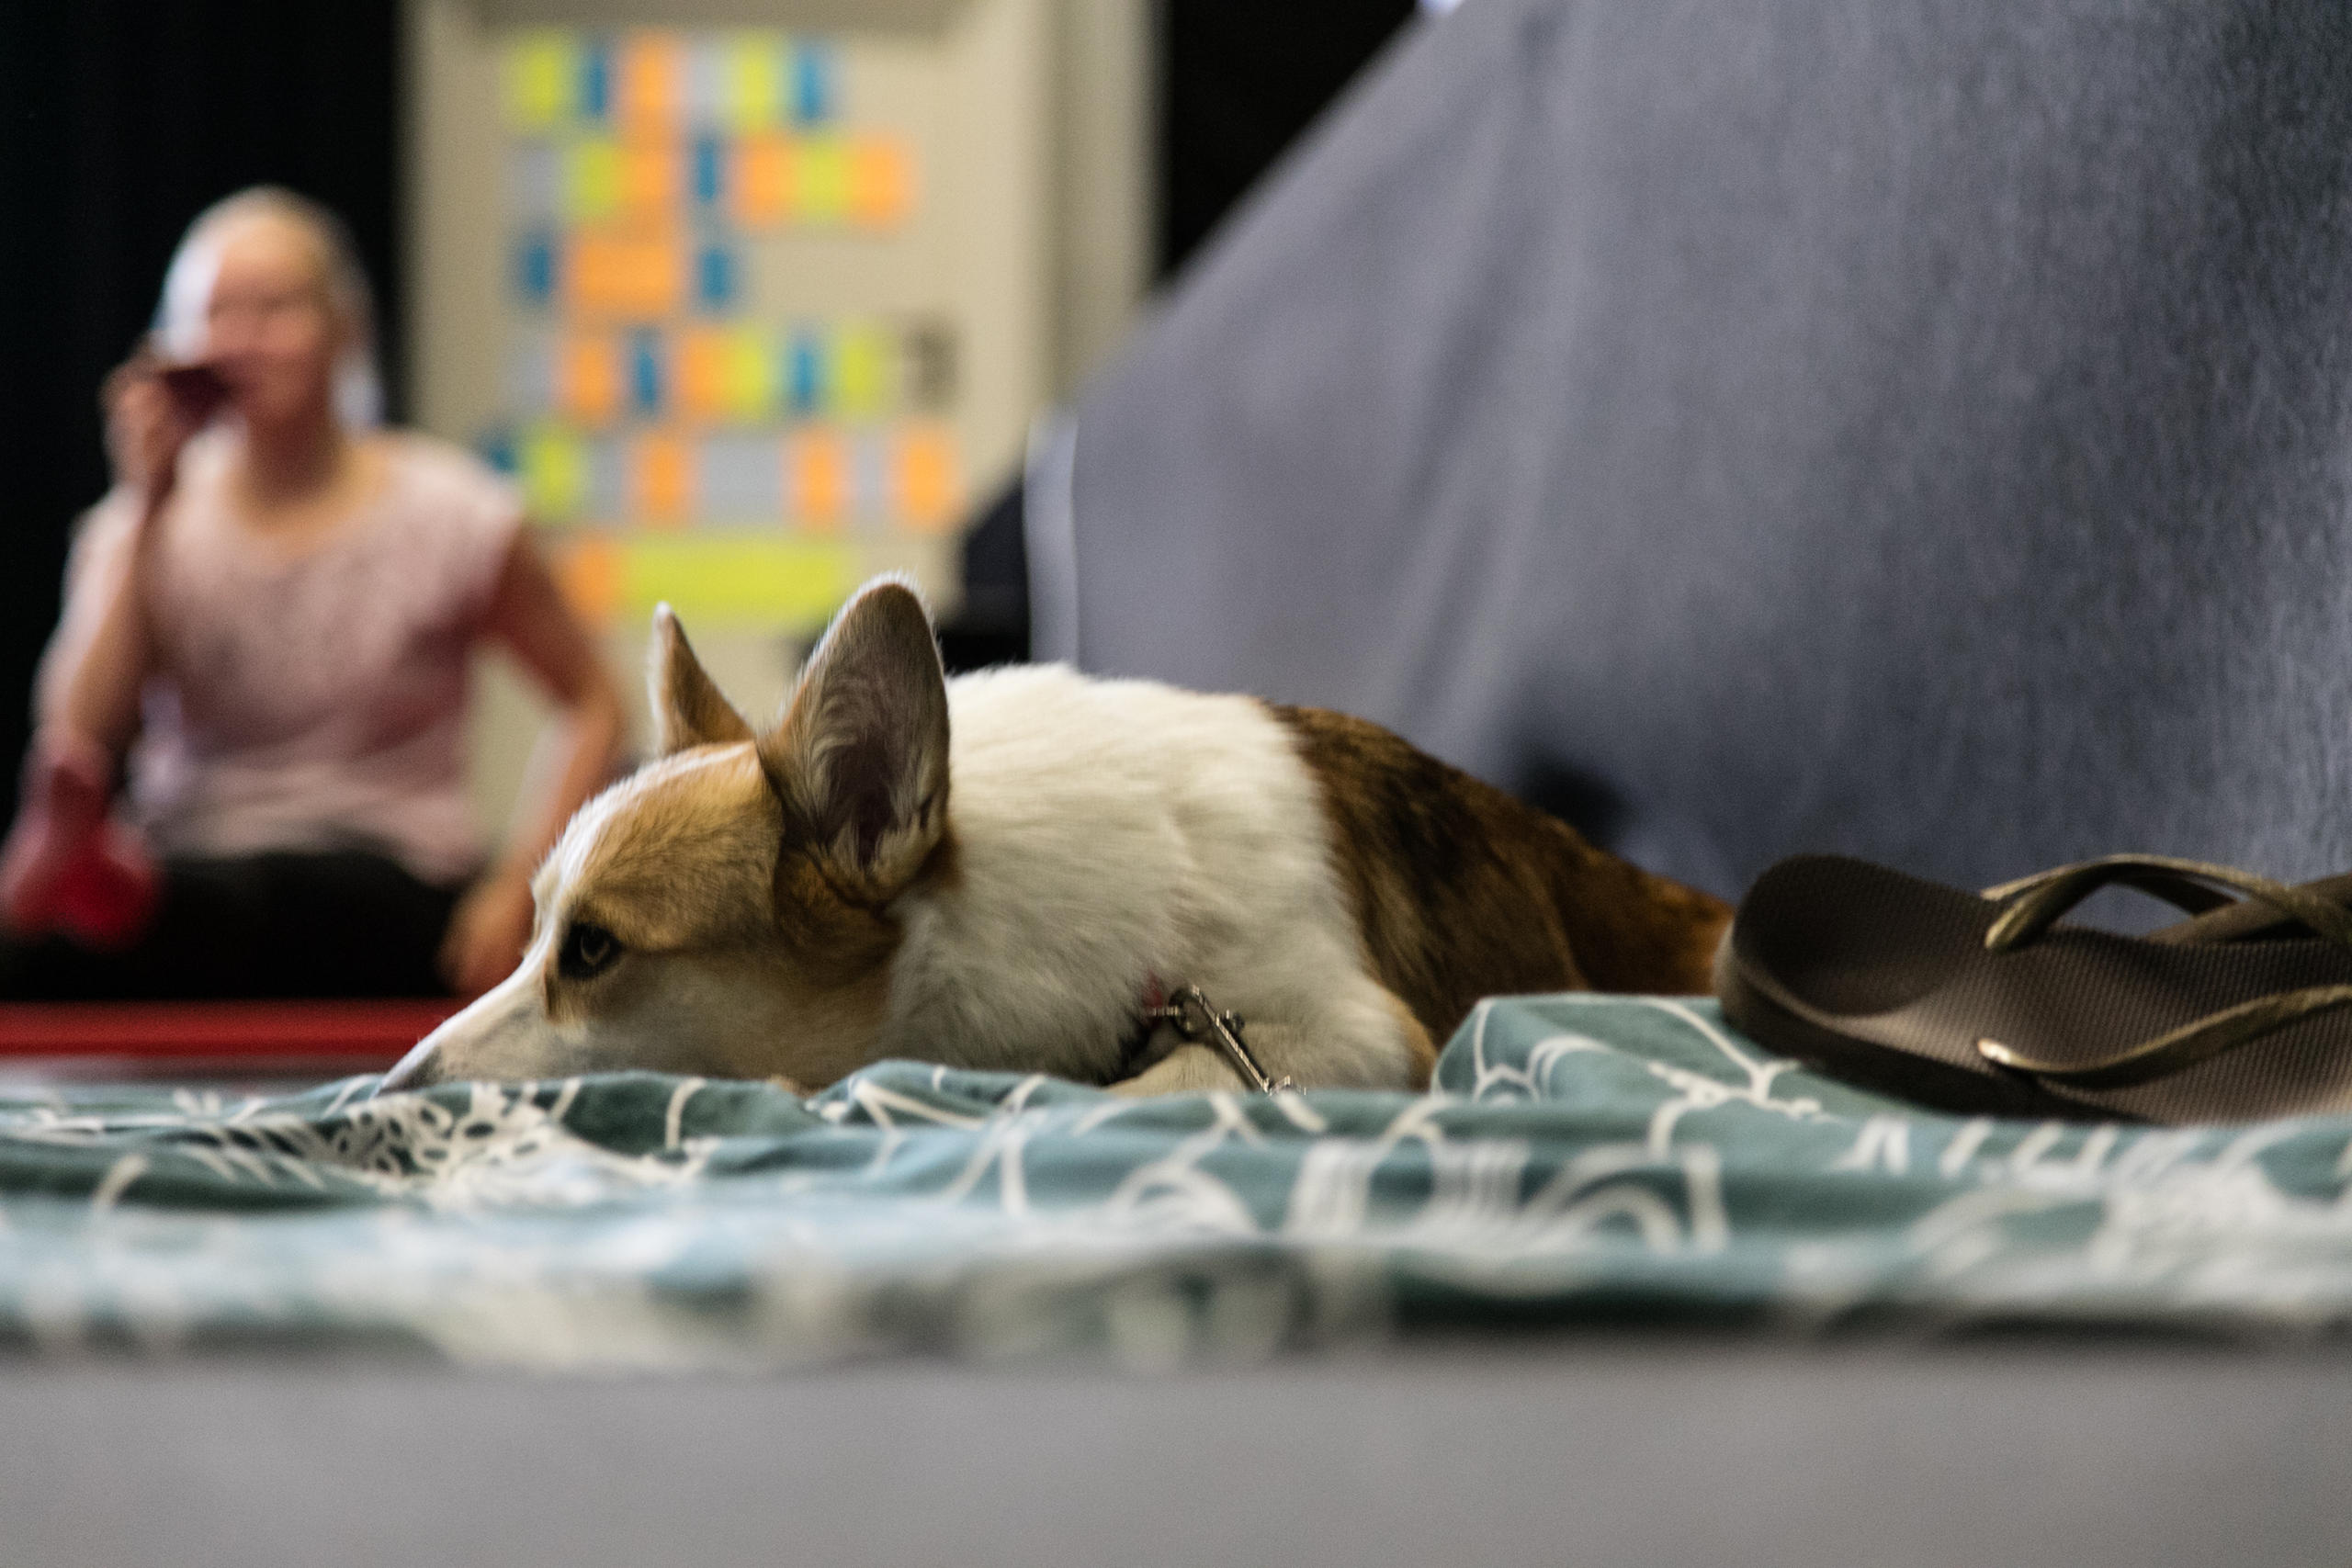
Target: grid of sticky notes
{"points": [[724, 422], [651, 396], [741, 128]]}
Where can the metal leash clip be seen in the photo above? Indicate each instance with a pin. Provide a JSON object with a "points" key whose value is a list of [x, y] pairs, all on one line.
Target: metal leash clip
{"points": [[1189, 1014]]}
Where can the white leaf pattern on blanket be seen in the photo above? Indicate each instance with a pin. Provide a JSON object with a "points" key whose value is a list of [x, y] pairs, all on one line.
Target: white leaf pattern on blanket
{"points": [[1579, 1158]]}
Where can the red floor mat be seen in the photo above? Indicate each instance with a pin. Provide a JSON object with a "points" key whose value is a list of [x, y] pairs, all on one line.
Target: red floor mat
{"points": [[357, 1035]]}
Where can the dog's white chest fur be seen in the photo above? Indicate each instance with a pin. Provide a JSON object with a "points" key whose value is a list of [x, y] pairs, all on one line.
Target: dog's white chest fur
{"points": [[1112, 835]]}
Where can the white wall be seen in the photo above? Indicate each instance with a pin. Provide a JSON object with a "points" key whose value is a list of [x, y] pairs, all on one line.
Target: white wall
{"points": [[1034, 119]]}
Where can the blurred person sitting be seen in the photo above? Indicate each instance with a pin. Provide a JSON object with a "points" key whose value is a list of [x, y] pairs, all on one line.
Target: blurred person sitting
{"points": [[269, 624]]}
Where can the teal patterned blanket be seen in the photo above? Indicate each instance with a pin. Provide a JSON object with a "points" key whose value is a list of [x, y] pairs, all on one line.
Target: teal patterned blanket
{"points": [[1583, 1159]]}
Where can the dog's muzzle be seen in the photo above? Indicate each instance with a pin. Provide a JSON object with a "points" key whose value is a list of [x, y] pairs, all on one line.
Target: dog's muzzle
{"points": [[418, 1069]]}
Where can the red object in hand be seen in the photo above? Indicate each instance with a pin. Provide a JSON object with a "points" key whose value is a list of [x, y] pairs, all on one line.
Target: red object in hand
{"points": [[67, 867]]}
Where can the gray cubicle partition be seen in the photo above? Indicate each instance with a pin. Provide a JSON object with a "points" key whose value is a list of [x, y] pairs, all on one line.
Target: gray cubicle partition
{"points": [[1917, 430]]}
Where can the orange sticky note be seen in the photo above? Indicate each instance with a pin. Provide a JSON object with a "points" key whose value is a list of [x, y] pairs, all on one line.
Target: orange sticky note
{"points": [[816, 478], [652, 78], [923, 475], [661, 479], [705, 363], [761, 188], [626, 274], [648, 179], [589, 571], [588, 378], [881, 183]]}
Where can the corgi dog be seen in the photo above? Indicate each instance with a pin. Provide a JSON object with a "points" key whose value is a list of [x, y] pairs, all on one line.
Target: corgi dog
{"points": [[1013, 869]]}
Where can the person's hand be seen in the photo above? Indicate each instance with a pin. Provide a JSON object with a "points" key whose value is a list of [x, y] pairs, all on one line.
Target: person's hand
{"points": [[67, 865], [487, 931], [150, 417]]}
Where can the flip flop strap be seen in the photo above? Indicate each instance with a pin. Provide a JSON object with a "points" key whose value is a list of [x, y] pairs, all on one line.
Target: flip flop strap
{"points": [[2036, 902], [2248, 918], [2185, 1047], [2132, 870]]}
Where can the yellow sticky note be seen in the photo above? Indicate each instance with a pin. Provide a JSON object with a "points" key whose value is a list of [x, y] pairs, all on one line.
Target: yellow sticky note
{"points": [[757, 580], [592, 180], [751, 83], [820, 186], [751, 374], [861, 365], [542, 77], [554, 470]]}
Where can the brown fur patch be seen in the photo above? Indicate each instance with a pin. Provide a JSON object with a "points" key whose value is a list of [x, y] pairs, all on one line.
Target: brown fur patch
{"points": [[1463, 892], [682, 860]]}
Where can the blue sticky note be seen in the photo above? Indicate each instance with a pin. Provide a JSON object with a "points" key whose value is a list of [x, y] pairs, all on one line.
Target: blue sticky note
{"points": [[645, 370], [497, 449], [535, 268], [804, 377], [813, 73], [596, 82], [709, 171], [715, 276]]}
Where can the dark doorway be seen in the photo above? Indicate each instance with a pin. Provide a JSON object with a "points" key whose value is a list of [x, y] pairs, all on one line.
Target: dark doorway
{"points": [[1237, 85], [120, 120]]}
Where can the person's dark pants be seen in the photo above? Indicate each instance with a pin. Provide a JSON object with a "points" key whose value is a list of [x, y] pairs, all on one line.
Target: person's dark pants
{"points": [[276, 925]]}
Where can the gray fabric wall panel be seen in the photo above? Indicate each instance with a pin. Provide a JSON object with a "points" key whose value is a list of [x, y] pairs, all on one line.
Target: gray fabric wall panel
{"points": [[1871, 424]]}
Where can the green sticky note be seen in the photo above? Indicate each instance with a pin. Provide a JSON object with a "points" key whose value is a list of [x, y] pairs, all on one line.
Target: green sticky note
{"points": [[541, 76], [756, 579], [820, 179], [751, 374], [592, 180], [553, 465], [753, 74], [862, 364]]}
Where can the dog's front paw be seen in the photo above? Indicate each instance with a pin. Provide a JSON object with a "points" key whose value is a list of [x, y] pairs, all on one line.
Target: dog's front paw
{"points": [[1188, 1069]]}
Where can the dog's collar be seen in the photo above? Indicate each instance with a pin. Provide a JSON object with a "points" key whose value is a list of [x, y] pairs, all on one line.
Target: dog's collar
{"points": [[1151, 1007], [1188, 1011]]}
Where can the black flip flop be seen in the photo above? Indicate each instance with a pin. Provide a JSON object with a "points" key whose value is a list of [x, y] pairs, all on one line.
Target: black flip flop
{"points": [[1985, 1004]]}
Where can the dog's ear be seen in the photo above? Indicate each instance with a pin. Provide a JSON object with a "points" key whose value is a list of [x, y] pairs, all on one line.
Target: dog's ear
{"points": [[860, 759], [688, 709]]}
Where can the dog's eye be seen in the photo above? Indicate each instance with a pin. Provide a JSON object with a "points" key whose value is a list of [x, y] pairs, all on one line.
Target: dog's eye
{"points": [[588, 951]]}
